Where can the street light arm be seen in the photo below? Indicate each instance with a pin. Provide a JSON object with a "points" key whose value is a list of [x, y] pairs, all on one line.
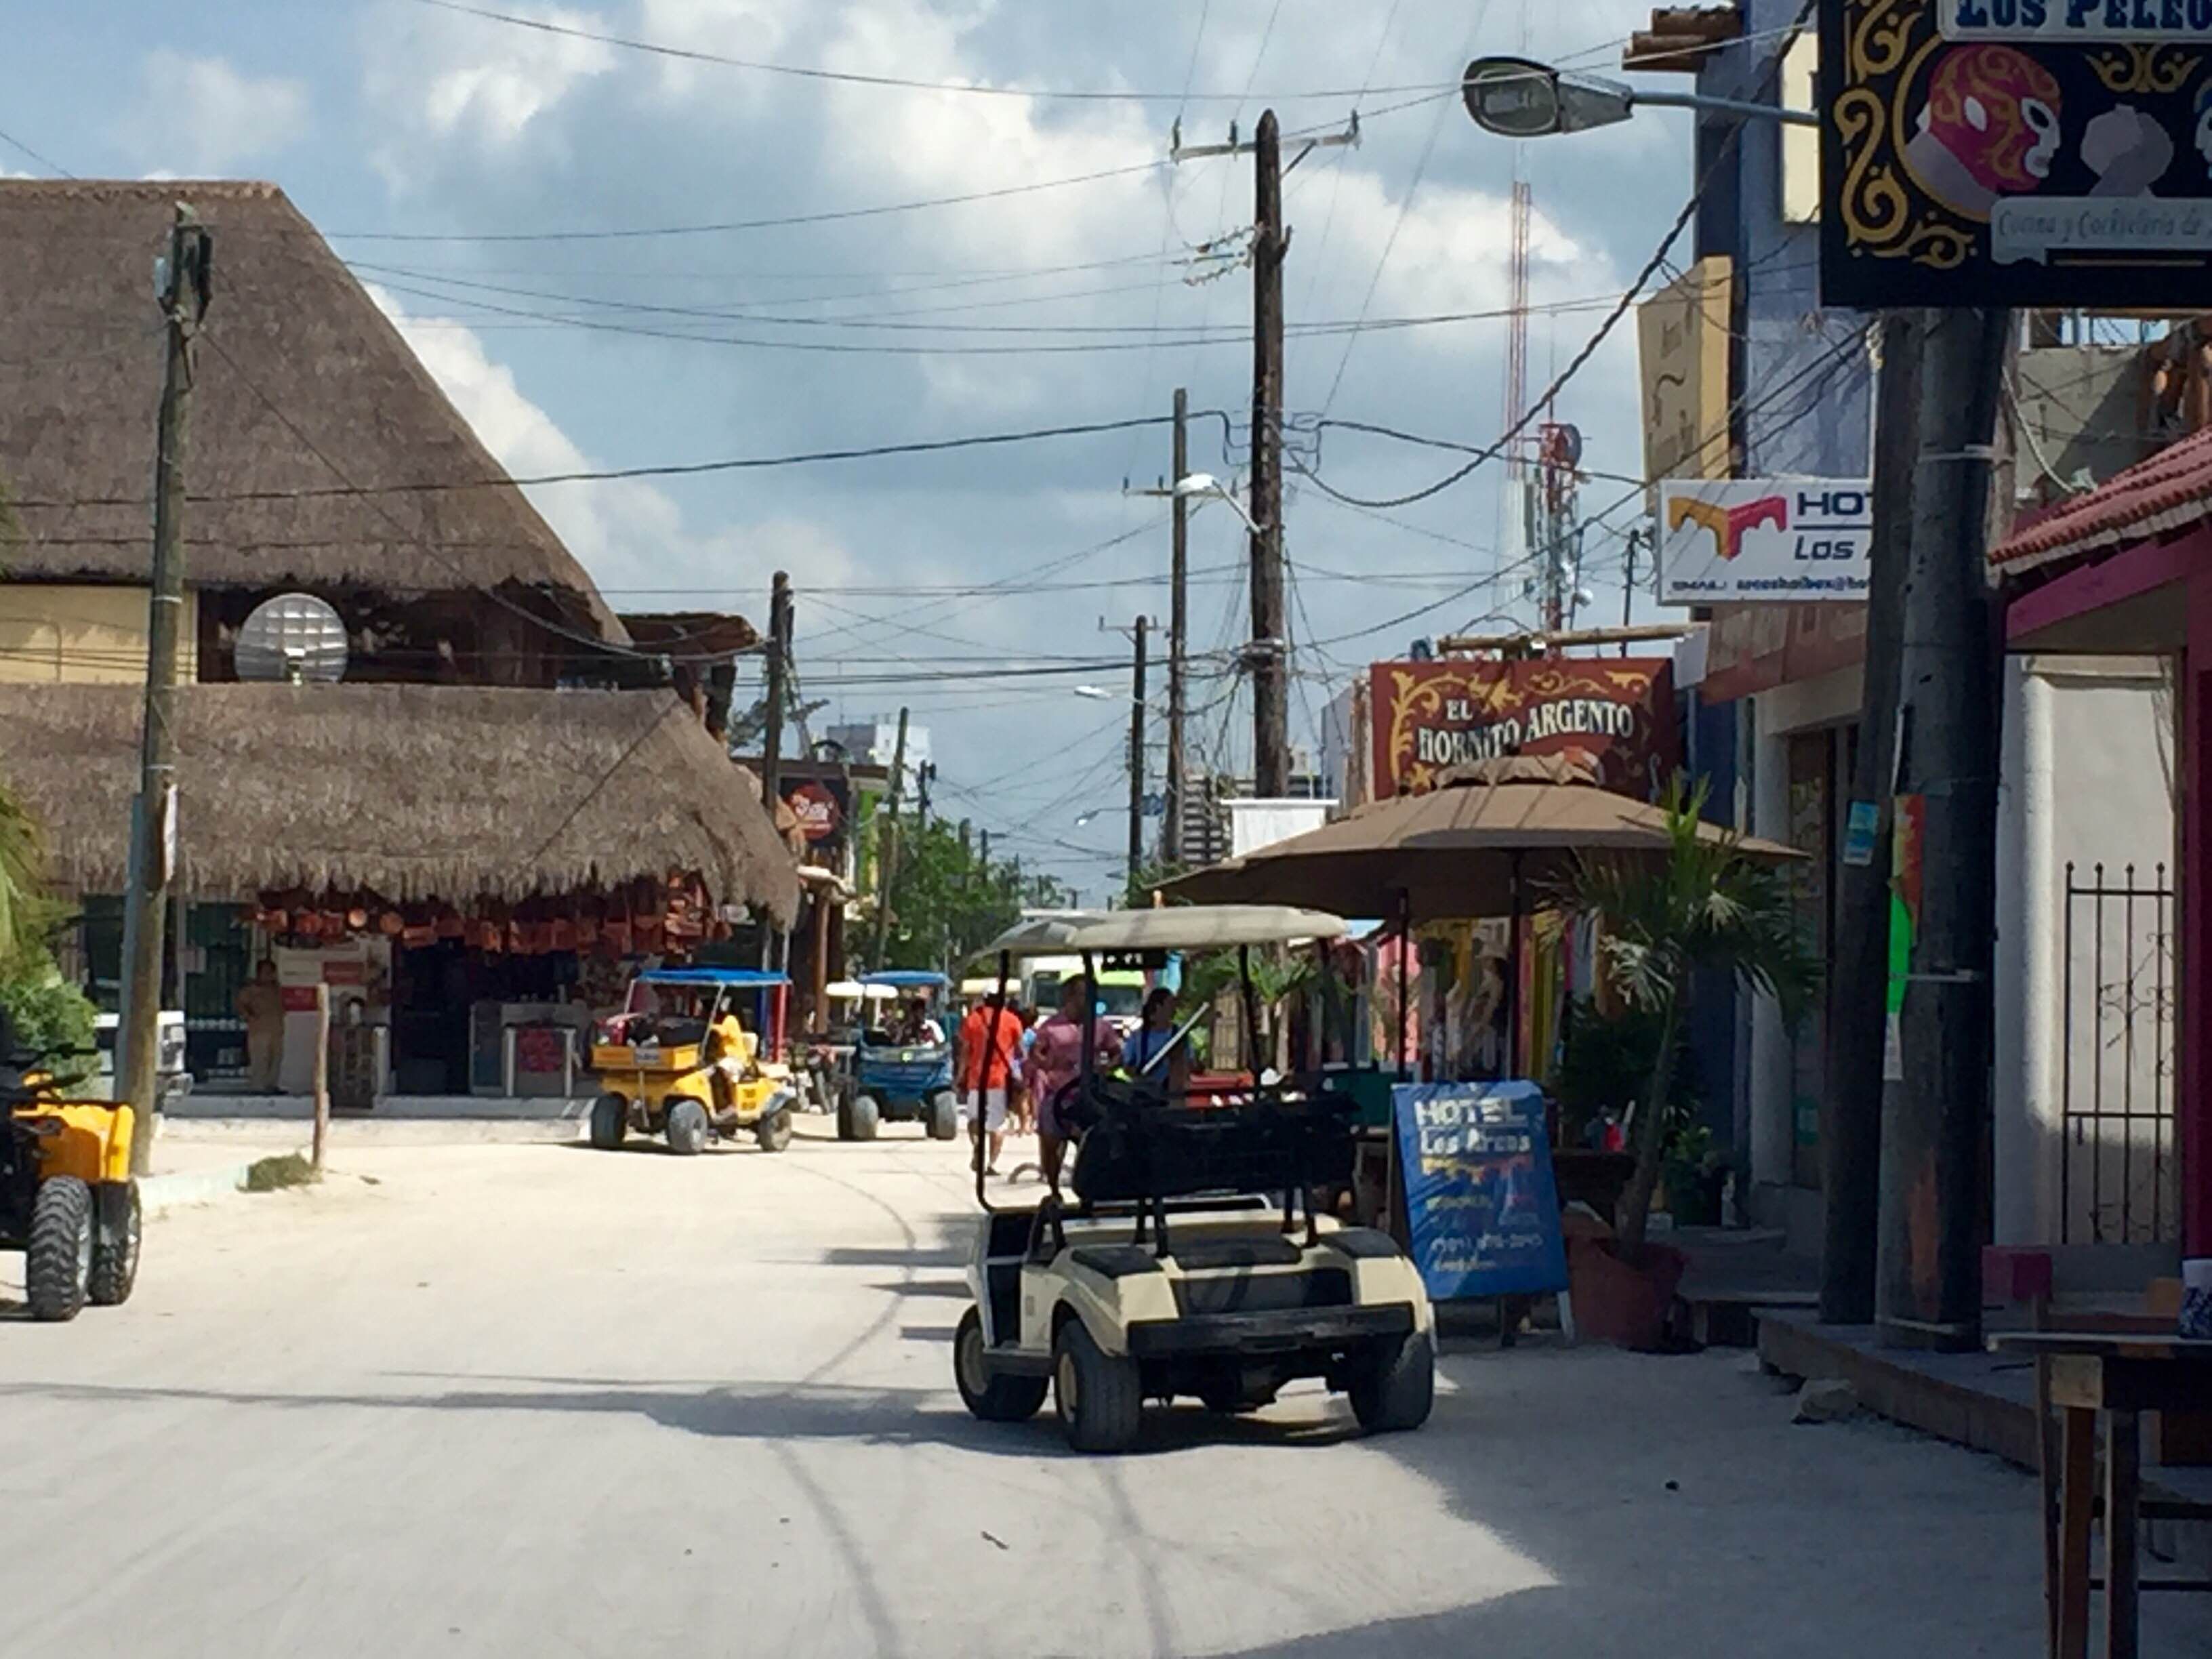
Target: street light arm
{"points": [[1737, 106]]}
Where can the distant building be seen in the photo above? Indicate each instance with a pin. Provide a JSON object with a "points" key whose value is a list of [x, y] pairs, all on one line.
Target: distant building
{"points": [[875, 742]]}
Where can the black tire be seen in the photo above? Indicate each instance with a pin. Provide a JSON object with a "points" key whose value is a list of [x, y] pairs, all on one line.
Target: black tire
{"points": [[687, 1128], [867, 1114], [115, 1243], [991, 1399], [844, 1111], [609, 1121], [944, 1115], [773, 1132], [1099, 1396], [57, 1267], [1395, 1386]]}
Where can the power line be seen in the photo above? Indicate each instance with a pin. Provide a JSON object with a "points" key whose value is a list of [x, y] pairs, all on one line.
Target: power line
{"points": [[671, 470], [658, 49], [51, 166]]}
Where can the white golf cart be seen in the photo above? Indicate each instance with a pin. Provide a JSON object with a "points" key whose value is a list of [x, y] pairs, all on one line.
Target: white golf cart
{"points": [[1180, 1263]]}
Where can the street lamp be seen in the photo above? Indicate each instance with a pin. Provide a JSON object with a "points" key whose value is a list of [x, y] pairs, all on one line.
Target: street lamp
{"points": [[1200, 485], [1520, 98]]}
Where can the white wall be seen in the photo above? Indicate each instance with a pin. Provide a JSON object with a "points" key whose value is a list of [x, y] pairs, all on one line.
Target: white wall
{"points": [[2086, 775]]}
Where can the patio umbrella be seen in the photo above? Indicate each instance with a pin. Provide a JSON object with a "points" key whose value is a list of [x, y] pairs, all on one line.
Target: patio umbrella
{"points": [[1494, 835]]}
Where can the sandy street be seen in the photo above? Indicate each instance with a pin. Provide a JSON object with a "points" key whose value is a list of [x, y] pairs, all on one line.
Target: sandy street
{"points": [[530, 1399]]}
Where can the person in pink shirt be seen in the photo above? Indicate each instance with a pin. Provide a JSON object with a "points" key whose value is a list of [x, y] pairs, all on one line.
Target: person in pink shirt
{"points": [[1055, 1061]]}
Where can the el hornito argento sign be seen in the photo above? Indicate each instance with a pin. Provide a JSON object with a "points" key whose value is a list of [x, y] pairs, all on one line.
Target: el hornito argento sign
{"points": [[1430, 717], [2053, 153]]}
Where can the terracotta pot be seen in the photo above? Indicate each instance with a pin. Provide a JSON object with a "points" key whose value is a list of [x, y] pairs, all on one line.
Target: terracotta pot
{"points": [[1619, 1303]]}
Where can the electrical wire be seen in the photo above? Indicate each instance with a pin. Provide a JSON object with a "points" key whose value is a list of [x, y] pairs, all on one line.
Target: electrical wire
{"points": [[16, 144], [545, 26]]}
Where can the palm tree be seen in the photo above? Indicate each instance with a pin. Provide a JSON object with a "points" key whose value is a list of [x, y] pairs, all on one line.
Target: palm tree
{"points": [[25, 913], [1705, 904]]}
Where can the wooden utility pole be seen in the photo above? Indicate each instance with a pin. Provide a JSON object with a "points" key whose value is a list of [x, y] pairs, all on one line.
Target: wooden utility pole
{"points": [[1178, 634], [183, 292], [1934, 1117], [1269, 652], [1137, 761], [1851, 1135], [779, 671], [322, 1074], [887, 850]]}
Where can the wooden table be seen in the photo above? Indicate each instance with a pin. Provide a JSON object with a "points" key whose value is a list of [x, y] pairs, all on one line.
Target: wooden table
{"points": [[2121, 1375]]}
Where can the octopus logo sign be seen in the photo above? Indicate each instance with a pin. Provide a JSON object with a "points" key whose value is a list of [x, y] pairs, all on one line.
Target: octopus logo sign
{"points": [[1735, 539]]}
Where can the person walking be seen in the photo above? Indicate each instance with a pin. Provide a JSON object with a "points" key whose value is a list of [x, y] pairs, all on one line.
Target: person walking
{"points": [[990, 1049], [1056, 1062], [260, 1004]]}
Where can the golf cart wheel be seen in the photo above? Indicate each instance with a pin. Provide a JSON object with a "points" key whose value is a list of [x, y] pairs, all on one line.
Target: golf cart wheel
{"points": [[773, 1132], [687, 1128], [867, 1113], [120, 1225], [609, 1121], [58, 1269], [944, 1115], [991, 1399], [1099, 1396], [1396, 1384], [844, 1108]]}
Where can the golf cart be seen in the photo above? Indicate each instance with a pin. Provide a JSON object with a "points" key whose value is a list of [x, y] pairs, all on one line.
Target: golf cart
{"points": [[1180, 1264], [68, 1199], [657, 1061], [894, 1081]]}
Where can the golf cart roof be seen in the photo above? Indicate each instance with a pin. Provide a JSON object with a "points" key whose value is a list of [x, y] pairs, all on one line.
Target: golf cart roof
{"points": [[853, 988], [739, 977], [1181, 927], [905, 977]]}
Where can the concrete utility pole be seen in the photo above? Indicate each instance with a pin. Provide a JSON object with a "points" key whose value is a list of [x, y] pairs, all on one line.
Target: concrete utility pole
{"points": [[1929, 1291], [1137, 761], [1850, 1137], [887, 849], [1269, 654], [184, 290], [779, 671], [1178, 634]]}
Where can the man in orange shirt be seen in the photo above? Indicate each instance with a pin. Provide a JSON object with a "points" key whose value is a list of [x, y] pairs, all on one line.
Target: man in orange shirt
{"points": [[990, 1048]]}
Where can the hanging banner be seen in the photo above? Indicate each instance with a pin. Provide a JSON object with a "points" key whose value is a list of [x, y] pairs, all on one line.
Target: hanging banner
{"points": [[2035, 153], [1430, 717], [1480, 1201], [1756, 540]]}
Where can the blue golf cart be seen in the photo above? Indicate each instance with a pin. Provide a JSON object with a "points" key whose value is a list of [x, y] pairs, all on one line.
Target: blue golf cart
{"points": [[896, 1081]]}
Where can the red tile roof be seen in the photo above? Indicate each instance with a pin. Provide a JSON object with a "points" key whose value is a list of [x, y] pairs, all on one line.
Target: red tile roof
{"points": [[2170, 491]]}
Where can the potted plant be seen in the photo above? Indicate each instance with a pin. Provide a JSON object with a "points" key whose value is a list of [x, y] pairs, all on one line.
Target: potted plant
{"points": [[1704, 903]]}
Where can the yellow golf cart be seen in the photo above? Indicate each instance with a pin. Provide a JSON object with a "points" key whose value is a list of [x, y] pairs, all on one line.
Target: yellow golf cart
{"points": [[678, 1062]]}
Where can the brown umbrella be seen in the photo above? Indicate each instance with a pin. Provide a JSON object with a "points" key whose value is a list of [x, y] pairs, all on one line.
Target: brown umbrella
{"points": [[1465, 849], [1493, 838]]}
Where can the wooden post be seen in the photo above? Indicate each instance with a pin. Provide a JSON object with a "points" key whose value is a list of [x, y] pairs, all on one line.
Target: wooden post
{"points": [[322, 1074]]}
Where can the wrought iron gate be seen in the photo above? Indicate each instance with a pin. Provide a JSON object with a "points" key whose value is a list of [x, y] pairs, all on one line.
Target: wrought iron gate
{"points": [[2118, 1166]]}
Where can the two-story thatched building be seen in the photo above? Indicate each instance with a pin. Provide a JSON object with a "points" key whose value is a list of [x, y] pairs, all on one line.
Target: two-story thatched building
{"points": [[502, 792]]}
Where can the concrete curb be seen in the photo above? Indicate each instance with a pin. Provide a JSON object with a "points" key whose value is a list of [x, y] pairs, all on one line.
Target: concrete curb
{"points": [[159, 1194]]}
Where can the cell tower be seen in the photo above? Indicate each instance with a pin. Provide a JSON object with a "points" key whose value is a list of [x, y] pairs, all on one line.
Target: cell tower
{"points": [[1516, 345]]}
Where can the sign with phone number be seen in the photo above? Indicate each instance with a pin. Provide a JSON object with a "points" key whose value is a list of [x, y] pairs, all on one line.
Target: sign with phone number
{"points": [[1480, 1199]]}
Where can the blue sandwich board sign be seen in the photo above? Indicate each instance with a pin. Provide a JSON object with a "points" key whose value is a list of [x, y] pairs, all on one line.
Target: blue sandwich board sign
{"points": [[1480, 1201]]}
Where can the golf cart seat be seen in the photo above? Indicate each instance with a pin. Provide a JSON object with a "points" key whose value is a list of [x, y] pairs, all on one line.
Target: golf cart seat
{"points": [[1136, 1148]]}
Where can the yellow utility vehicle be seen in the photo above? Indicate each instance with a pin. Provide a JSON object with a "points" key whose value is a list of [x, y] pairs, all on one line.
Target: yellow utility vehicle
{"points": [[68, 1199], [678, 1061]]}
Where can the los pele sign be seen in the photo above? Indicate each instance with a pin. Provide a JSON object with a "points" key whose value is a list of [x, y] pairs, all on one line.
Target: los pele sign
{"points": [[2050, 152], [1728, 540]]}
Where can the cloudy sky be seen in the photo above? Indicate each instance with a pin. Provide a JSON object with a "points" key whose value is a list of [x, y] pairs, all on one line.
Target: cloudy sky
{"points": [[570, 231]]}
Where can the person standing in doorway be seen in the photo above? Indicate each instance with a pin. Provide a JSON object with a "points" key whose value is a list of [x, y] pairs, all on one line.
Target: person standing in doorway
{"points": [[1056, 1062], [260, 1004]]}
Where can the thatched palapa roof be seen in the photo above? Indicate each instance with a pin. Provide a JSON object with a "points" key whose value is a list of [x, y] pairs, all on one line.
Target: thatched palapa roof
{"points": [[411, 791], [291, 341]]}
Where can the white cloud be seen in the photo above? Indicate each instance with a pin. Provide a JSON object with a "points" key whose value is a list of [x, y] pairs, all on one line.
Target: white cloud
{"points": [[627, 532], [442, 77], [199, 117]]}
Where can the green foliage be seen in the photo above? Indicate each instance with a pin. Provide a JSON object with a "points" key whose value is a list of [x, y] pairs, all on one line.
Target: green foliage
{"points": [[1701, 905], [25, 915], [1278, 976], [1605, 1063], [270, 1175], [948, 904], [51, 1017]]}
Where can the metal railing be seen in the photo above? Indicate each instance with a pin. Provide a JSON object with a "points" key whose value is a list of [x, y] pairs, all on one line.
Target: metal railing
{"points": [[2118, 1160]]}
